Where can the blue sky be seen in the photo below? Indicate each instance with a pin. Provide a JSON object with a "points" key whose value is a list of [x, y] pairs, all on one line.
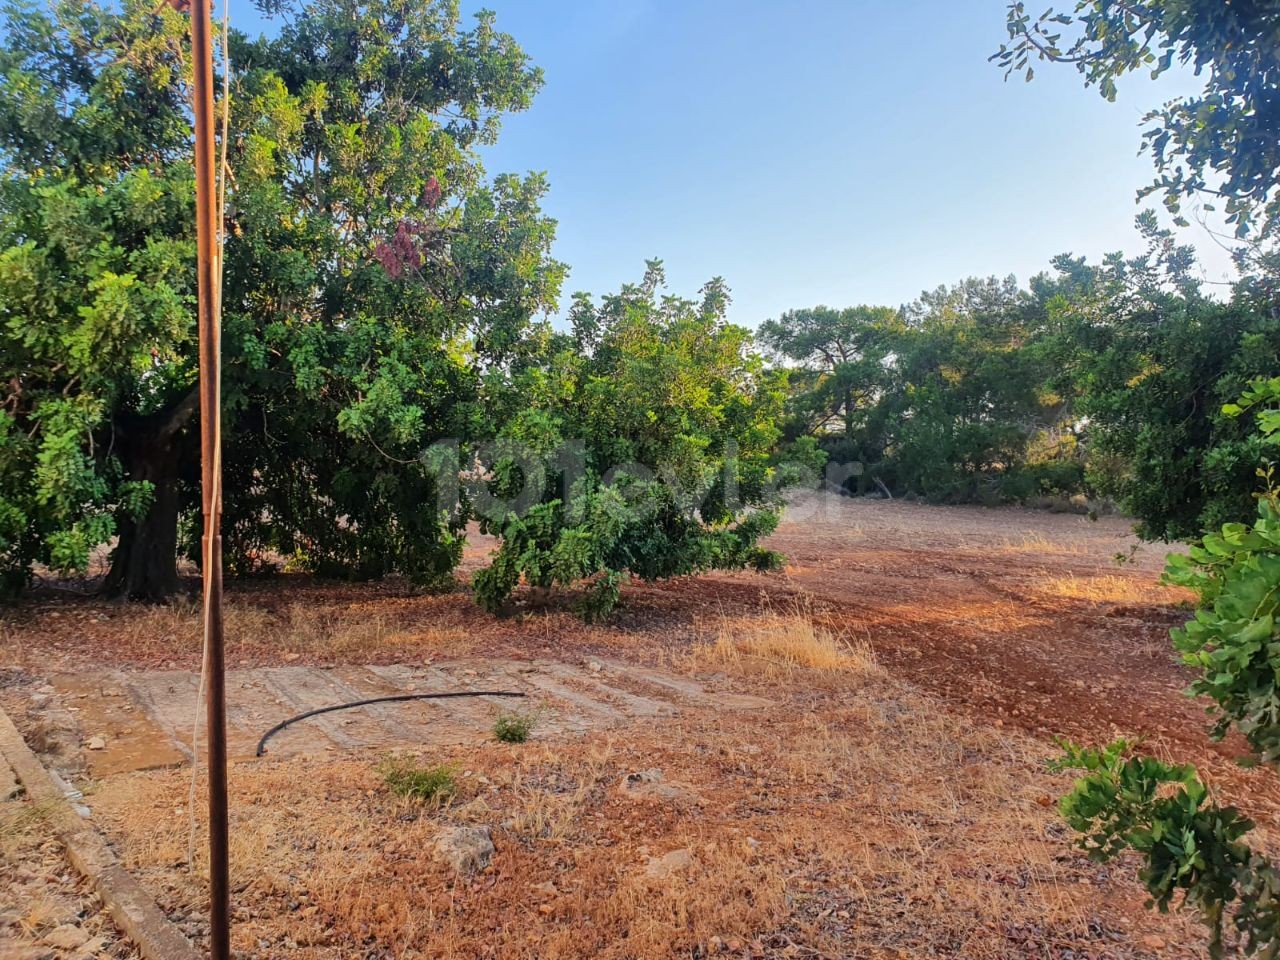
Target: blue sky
{"points": [[820, 151]]}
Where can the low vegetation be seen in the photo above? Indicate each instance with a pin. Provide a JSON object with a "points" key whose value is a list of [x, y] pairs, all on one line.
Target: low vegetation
{"points": [[435, 784], [514, 726], [776, 643]]}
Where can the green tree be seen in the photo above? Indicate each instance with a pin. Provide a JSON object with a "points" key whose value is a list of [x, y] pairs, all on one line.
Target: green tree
{"points": [[643, 450], [1150, 361], [374, 280], [840, 359]]}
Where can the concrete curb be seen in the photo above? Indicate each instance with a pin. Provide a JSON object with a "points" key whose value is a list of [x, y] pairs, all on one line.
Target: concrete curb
{"points": [[131, 907]]}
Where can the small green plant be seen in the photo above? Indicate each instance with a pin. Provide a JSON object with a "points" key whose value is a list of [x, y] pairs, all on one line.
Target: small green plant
{"points": [[514, 726], [406, 779]]}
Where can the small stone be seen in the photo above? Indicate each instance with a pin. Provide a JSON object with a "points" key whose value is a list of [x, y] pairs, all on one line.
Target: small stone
{"points": [[96, 743], [91, 948], [669, 864], [66, 937], [650, 785], [595, 666], [1152, 942], [465, 849]]}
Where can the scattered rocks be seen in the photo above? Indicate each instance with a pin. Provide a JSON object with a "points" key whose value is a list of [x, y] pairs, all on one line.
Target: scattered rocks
{"points": [[668, 865], [465, 849]]}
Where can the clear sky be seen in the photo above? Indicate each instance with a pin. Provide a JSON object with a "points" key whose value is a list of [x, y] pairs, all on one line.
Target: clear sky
{"points": [[817, 151]]}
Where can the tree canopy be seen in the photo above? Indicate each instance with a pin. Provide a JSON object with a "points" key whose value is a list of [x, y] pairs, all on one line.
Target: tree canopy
{"points": [[373, 278], [645, 443], [1222, 143]]}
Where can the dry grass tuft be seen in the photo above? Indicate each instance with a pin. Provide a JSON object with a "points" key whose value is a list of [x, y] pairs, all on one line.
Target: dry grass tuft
{"points": [[778, 644], [1109, 588]]}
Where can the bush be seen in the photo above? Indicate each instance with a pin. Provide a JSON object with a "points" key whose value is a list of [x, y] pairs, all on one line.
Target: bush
{"points": [[1189, 843]]}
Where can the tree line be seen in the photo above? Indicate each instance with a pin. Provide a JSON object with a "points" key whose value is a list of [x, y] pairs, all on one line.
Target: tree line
{"points": [[385, 309], [1098, 380]]}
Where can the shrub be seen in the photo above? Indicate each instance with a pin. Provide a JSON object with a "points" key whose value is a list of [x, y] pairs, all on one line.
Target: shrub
{"points": [[645, 450], [406, 779], [1162, 811], [1190, 844], [514, 726]]}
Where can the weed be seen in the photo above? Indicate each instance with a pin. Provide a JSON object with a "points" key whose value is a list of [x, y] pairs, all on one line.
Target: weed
{"points": [[514, 726], [406, 779]]}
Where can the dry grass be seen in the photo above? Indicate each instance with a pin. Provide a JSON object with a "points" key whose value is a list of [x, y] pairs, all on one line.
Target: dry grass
{"points": [[1109, 588], [306, 629], [870, 822], [1040, 545], [774, 644]]}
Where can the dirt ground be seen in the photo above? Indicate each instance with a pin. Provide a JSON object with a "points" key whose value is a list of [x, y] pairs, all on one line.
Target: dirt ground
{"points": [[891, 801]]}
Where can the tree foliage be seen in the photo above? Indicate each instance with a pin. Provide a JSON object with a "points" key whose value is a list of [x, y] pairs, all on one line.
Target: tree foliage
{"points": [[945, 398], [374, 277], [643, 450], [1104, 379], [839, 363], [1223, 142]]}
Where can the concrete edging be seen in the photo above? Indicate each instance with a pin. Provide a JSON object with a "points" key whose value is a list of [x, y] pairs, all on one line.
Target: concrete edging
{"points": [[134, 911]]}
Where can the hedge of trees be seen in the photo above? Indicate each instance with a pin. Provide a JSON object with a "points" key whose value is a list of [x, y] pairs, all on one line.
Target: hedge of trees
{"points": [[1103, 380]]}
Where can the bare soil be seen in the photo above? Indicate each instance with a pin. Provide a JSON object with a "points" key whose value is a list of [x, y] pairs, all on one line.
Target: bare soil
{"points": [[889, 804]]}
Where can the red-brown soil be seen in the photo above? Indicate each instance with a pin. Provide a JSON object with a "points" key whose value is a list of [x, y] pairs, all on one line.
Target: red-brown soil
{"points": [[994, 631]]}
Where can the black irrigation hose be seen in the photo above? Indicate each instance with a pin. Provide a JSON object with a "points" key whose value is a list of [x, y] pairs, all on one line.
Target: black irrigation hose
{"points": [[399, 698]]}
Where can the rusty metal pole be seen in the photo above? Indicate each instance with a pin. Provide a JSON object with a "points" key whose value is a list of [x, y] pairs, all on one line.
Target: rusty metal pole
{"points": [[208, 259]]}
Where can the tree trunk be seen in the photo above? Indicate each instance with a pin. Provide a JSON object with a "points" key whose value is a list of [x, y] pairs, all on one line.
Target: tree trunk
{"points": [[144, 564]]}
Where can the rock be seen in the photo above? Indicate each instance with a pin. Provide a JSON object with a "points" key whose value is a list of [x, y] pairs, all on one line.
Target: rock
{"points": [[1153, 942], [466, 849], [595, 666], [650, 785], [66, 937], [96, 743], [669, 864], [91, 948]]}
